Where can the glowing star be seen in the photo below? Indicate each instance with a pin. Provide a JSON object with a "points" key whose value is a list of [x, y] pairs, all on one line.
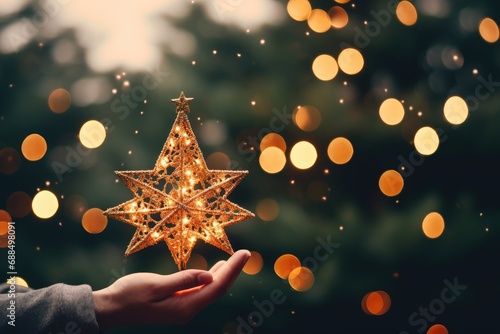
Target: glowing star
{"points": [[180, 200]]}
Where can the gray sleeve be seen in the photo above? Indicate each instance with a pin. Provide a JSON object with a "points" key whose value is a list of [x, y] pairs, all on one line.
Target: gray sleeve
{"points": [[55, 309]]}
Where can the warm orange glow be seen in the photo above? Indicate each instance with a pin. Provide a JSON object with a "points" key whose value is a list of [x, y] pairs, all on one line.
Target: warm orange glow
{"points": [[92, 134], [338, 17], [254, 264], [10, 161], [45, 204], [285, 264], [218, 160], [488, 29], [340, 150], [307, 118], [433, 225], [391, 111], [437, 329], [93, 221], [299, 10], [273, 139], [59, 100], [406, 13], [19, 204], [303, 155], [351, 61], [197, 261], [267, 209], [4, 227], [5, 216], [376, 303], [20, 281], [391, 183], [319, 21], [272, 160], [301, 279], [325, 67], [34, 147]]}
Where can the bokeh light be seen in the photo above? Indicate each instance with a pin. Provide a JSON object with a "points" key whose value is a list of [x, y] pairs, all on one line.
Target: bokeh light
{"points": [[34, 147], [426, 140], [406, 13], [59, 100], [19, 204], [273, 139], [92, 134], [325, 67], [299, 10], [19, 281], [307, 118], [10, 160], [285, 264], [433, 225], [437, 329], [5, 216], [351, 61], [340, 150], [488, 29], [4, 227], [303, 155], [391, 111], [45, 204], [391, 183], [319, 21], [338, 17], [267, 209], [342, 1], [218, 160], [93, 221], [376, 303], [301, 279], [456, 110], [197, 261], [254, 264], [272, 160]]}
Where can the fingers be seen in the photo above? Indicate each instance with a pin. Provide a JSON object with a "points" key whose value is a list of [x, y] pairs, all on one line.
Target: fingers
{"points": [[216, 267], [184, 280]]}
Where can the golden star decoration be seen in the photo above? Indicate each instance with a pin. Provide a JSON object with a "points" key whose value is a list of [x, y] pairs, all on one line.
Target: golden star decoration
{"points": [[180, 200]]}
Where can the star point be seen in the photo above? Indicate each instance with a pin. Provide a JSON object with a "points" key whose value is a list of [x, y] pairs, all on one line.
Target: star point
{"points": [[182, 103]]}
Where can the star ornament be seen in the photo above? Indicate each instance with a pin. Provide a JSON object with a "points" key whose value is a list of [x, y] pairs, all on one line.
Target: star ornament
{"points": [[180, 200]]}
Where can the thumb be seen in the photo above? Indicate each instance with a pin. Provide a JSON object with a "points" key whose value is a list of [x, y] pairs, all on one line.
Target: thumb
{"points": [[187, 279]]}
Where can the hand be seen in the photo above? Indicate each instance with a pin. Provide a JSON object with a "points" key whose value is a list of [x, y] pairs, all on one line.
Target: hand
{"points": [[146, 298]]}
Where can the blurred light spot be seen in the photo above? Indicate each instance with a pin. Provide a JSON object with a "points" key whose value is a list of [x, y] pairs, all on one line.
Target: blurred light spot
{"points": [[303, 155], [433, 225], [92, 134], [4, 227], [325, 67], [64, 52], [426, 140], [391, 111], [19, 281], [197, 261], [19, 204], [15, 36], [456, 110], [285, 264], [488, 29], [452, 58], [435, 8], [45, 204], [437, 329], [301, 279], [319, 21], [97, 90], [299, 10], [391, 183], [254, 264], [10, 160], [342, 1], [340, 150], [376, 303], [75, 206], [351, 61], [34, 147], [213, 133], [59, 100], [307, 118], [469, 19], [5, 216], [9, 7], [273, 139], [267, 209], [93, 221], [338, 17], [218, 160], [272, 160], [406, 13], [318, 191]]}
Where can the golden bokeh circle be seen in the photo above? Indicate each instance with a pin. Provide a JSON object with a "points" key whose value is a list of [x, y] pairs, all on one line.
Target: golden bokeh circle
{"points": [[426, 140], [299, 10], [301, 279], [273, 139], [351, 61], [433, 225], [93, 221], [338, 17], [285, 264], [45, 204], [218, 160], [376, 302], [319, 21], [406, 13], [307, 118], [254, 264], [303, 155], [325, 67], [455, 110], [340, 150], [34, 147], [59, 100], [391, 111], [272, 160], [267, 209], [488, 29], [391, 183], [92, 134]]}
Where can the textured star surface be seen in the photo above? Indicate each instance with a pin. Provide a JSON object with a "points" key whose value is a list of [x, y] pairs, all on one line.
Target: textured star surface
{"points": [[180, 200]]}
